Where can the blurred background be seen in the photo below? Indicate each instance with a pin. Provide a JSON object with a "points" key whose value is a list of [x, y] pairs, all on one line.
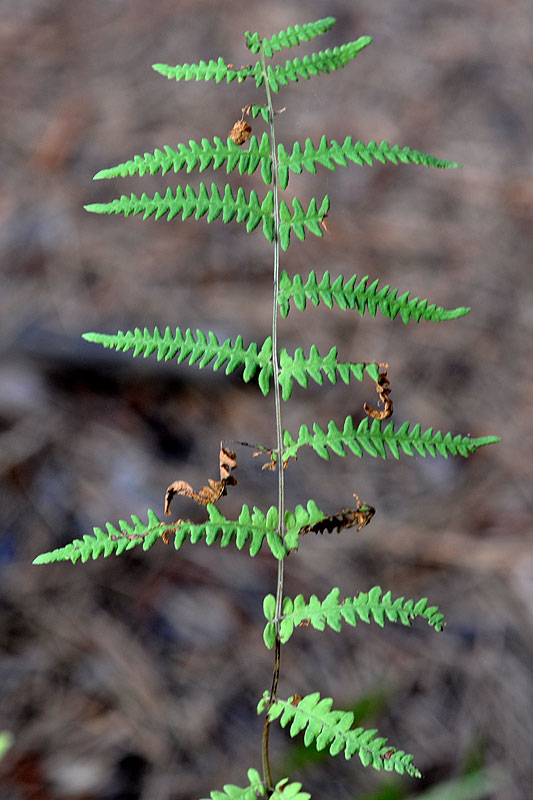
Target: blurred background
{"points": [[137, 678]]}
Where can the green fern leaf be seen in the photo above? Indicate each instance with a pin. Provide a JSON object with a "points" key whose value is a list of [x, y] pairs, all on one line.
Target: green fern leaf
{"points": [[212, 70], [332, 729], [201, 155], [299, 220], [325, 61], [299, 367], [362, 297], [366, 606], [332, 154], [371, 438], [113, 540], [203, 349], [283, 790], [254, 789], [252, 528], [186, 202], [290, 37]]}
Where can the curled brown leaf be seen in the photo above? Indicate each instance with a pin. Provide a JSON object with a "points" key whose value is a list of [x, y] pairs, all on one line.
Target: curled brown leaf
{"points": [[383, 390], [214, 490]]}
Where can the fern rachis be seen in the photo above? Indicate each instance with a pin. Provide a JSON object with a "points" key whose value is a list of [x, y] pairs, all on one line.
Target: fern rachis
{"points": [[277, 529]]}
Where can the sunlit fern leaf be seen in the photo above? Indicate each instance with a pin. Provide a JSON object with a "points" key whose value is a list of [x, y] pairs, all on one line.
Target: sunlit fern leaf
{"points": [[187, 202], [361, 296], [113, 540], [211, 70], [201, 349], [201, 155], [325, 61], [204, 349], [332, 729], [332, 154], [283, 790], [365, 606], [373, 439], [300, 219], [251, 529], [253, 791], [290, 37]]}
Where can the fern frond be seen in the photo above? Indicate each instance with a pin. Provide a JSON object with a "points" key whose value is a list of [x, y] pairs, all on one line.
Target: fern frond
{"points": [[327, 728], [283, 790], [299, 220], [202, 349], [186, 202], [333, 154], [373, 439], [252, 528], [201, 155], [298, 368], [254, 789], [365, 606], [361, 296], [112, 540], [325, 61], [290, 37], [211, 70]]}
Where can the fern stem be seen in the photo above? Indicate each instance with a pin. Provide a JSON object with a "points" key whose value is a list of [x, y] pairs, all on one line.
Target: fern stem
{"points": [[267, 777]]}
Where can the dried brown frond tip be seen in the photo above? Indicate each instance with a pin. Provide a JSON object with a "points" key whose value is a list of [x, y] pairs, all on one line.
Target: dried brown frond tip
{"points": [[211, 493], [346, 518], [382, 388]]}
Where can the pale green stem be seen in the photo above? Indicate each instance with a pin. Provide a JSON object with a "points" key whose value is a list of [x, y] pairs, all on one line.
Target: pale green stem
{"points": [[267, 778]]}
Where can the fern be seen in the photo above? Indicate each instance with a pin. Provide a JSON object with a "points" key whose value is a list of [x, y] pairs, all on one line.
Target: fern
{"points": [[366, 606], [186, 202], [333, 154], [283, 790], [325, 727], [325, 61], [210, 71], [363, 297], [205, 349], [215, 154], [373, 439], [251, 529], [279, 531], [290, 37]]}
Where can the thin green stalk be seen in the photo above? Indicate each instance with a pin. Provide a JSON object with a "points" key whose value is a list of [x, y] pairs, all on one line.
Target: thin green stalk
{"points": [[267, 777]]}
